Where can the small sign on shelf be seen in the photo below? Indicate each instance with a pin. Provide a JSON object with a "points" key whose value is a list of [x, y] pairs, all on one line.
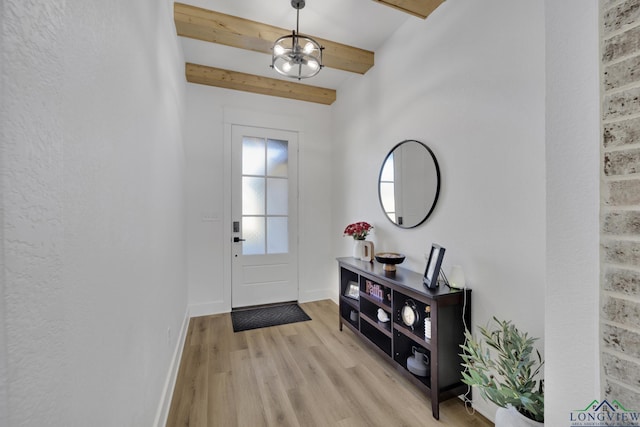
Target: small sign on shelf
{"points": [[375, 290]]}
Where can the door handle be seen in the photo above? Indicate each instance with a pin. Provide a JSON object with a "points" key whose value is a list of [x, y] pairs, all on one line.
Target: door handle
{"points": [[237, 239]]}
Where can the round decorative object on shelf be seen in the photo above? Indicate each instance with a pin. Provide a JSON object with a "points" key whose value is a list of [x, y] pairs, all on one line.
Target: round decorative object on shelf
{"points": [[383, 316], [409, 313], [389, 259]]}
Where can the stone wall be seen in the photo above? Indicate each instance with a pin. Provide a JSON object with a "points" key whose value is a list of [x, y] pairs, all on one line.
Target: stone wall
{"points": [[620, 201]]}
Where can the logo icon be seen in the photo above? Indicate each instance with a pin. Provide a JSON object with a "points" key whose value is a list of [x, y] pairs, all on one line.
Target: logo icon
{"points": [[604, 413]]}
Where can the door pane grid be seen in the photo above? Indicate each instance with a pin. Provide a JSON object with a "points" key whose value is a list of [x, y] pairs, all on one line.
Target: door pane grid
{"points": [[265, 193]]}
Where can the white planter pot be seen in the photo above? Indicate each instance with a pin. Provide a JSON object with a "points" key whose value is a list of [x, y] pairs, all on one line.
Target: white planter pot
{"points": [[363, 249], [510, 417], [358, 248]]}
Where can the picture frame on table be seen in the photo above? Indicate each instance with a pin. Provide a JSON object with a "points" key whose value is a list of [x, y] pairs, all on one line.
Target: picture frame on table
{"points": [[432, 271], [352, 291]]}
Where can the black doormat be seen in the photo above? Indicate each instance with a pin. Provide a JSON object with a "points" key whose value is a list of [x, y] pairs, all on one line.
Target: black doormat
{"points": [[264, 317]]}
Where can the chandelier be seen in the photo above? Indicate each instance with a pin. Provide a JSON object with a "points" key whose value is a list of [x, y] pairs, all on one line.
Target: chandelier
{"points": [[297, 56]]}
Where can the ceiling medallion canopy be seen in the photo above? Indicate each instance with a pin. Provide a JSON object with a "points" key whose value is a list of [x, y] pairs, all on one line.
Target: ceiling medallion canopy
{"points": [[297, 56]]}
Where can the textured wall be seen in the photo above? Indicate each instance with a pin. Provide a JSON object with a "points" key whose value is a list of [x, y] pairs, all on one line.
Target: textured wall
{"points": [[92, 197], [4, 395], [32, 194], [572, 184], [620, 202], [4, 392]]}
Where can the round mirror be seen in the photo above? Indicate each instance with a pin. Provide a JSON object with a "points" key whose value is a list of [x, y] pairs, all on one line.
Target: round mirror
{"points": [[409, 184]]}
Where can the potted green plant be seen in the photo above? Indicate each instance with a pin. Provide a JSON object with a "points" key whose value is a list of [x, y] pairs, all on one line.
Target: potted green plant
{"points": [[506, 372]]}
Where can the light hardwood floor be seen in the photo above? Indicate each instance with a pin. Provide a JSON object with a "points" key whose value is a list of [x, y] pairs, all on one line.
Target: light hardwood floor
{"points": [[301, 374]]}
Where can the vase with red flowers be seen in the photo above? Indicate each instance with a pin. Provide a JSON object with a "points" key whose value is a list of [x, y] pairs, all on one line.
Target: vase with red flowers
{"points": [[359, 231]]}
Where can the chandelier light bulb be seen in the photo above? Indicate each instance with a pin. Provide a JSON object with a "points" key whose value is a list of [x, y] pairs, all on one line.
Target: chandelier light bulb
{"points": [[308, 48], [313, 65], [278, 49], [286, 67]]}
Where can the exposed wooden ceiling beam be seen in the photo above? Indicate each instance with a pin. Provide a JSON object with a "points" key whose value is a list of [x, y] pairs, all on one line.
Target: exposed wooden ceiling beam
{"points": [[257, 84], [210, 26], [419, 8]]}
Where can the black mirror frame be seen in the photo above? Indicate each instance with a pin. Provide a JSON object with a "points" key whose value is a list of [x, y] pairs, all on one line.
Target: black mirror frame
{"points": [[435, 199]]}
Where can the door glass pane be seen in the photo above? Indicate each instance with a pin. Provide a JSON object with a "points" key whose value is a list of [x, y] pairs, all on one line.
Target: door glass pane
{"points": [[265, 196], [253, 196], [253, 156], [277, 241], [277, 158], [253, 231], [387, 196], [387, 170], [277, 196]]}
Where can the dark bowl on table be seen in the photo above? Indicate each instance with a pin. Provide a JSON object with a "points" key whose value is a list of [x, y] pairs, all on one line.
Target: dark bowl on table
{"points": [[389, 259]]}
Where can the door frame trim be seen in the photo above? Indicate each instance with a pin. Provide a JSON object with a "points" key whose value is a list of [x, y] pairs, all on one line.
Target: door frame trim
{"points": [[236, 116]]}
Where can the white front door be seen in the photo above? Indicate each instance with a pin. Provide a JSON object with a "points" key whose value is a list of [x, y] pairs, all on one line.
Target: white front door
{"points": [[264, 208]]}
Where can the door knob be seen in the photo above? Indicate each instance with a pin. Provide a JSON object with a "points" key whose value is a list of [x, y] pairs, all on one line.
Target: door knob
{"points": [[237, 239]]}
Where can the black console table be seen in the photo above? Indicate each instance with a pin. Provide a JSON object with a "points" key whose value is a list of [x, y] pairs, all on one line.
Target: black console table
{"points": [[377, 289]]}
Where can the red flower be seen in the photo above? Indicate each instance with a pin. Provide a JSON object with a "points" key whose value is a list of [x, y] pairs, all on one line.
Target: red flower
{"points": [[358, 230]]}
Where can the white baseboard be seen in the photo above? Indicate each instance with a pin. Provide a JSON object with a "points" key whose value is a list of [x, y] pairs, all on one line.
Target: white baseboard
{"points": [[316, 295], [170, 382], [208, 308]]}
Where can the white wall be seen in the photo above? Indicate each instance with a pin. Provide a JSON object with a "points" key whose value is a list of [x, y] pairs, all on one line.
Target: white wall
{"points": [[209, 265], [4, 379], [573, 179], [469, 82], [94, 223]]}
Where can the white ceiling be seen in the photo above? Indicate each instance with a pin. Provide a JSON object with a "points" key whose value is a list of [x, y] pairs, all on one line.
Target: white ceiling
{"points": [[360, 23]]}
